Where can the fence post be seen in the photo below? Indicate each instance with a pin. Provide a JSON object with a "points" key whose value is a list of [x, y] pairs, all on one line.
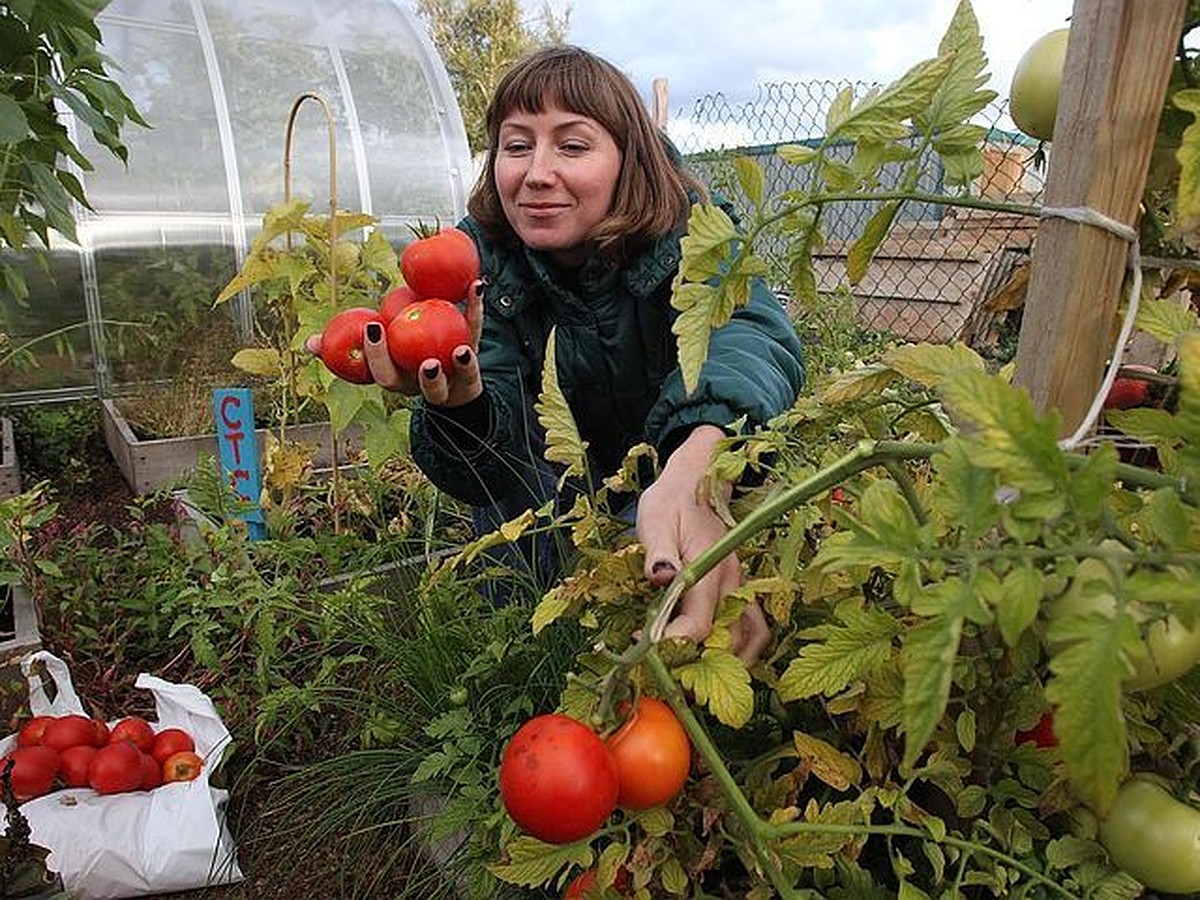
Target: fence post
{"points": [[661, 113], [1118, 62]]}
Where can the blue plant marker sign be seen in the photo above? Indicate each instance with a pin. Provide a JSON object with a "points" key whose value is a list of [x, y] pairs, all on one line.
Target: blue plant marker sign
{"points": [[237, 450]]}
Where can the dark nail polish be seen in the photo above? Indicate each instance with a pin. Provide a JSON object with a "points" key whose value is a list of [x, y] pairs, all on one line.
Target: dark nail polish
{"points": [[662, 566], [374, 333], [431, 370], [463, 357]]}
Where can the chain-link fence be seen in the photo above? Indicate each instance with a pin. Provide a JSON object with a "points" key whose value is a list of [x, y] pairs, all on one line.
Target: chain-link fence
{"points": [[930, 278]]}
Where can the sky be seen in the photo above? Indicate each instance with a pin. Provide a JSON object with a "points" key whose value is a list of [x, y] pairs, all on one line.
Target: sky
{"points": [[731, 47]]}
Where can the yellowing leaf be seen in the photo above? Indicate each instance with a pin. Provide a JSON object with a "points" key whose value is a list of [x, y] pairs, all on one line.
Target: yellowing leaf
{"points": [[1187, 200], [831, 765], [563, 442], [750, 177], [531, 863], [862, 251], [930, 364], [261, 361], [856, 384], [720, 680]]}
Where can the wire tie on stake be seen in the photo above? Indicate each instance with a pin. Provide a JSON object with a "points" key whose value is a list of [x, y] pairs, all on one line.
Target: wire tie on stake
{"points": [[1085, 215]]}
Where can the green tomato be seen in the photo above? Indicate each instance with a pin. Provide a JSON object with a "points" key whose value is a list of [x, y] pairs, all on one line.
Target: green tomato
{"points": [[1171, 650], [1036, 84], [1154, 837]]}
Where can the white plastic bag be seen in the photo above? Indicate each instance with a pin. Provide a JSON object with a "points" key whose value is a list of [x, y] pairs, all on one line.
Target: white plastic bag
{"points": [[172, 838]]}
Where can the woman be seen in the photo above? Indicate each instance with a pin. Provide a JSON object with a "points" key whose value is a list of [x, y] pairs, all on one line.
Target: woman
{"points": [[578, 215]]}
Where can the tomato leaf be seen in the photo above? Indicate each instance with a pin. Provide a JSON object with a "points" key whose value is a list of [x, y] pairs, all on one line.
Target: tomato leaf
{"points": [[862, 251], [720, 680], [262, 361], [563, 442], [835, 655], [837, 769], [1187, 200], [531, 863], [1166, 320], [931, 364], [880, 114]]}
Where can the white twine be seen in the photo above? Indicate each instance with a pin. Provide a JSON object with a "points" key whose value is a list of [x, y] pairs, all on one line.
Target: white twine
{"points": [[1087, 216]]}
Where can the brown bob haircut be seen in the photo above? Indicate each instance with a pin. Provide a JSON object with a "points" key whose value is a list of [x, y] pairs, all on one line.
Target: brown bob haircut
{"points": [[652, 193]]}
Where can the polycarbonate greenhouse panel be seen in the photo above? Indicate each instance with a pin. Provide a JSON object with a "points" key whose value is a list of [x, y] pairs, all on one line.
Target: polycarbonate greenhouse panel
{"points": [[216, 80]]}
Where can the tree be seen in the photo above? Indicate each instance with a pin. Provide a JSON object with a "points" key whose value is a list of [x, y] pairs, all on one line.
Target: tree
{"points": [[50, 61], [478, 40]]}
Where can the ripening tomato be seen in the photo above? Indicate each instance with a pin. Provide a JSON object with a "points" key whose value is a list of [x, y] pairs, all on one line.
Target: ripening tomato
{"points": [[427, 329], [73, 764], [558, 780], [33, 772], [136, 731], [182, 766], [1041, 734], [116, 767], [395, 300], [1154, 837], [442, 265], [1127, 393], [1036, 84], [170, 741], [342, 344], [68, 731], [653, 756], [585, 884], [32, 731]]}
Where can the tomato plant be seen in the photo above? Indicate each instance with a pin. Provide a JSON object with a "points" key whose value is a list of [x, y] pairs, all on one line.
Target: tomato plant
{"points": [[68, 731], [1154, 837], [441, 266], [395, 300], [32, 731], [1036, 84], [136, 731], [33, 772], [427, 329], [116, 767], [653, 756], [74, 763], [170, 741], [182, 766], [342, 344], [558, 780]]}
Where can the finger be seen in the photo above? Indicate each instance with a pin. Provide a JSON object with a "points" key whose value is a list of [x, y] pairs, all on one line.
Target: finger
{"points": [[751, 633], [313, 344], [434, 385], [698, 605], [468, 380], [474, 312], [656, 531], [379, 361]]}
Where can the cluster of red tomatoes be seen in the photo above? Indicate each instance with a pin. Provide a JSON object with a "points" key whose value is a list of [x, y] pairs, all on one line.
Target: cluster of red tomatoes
{"points": [[421, 318], [84, 752], [560, 781]]}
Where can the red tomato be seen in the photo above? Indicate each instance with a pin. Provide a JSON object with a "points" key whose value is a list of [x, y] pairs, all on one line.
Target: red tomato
{"points": [[1042, 734], [342, 344], [116, 768], [558, 780], [653, 756], [68, 731], [31, 732], [182, 766], [34, 770], [1126, 393], [584, 884], [136, 731], [395, 300], [443, 265], [427, 329], [170, 741], [151, 772], [73, 763]]}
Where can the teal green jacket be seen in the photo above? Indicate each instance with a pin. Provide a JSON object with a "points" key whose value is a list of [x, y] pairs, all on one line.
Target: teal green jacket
{"points": [[617, 368]]}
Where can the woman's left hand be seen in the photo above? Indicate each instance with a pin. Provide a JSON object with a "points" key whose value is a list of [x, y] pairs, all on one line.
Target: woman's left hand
{"points": [[675, 524]]}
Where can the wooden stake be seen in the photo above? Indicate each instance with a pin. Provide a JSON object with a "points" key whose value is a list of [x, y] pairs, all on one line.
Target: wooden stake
{"points": [[660, 113], [1118, 62]]}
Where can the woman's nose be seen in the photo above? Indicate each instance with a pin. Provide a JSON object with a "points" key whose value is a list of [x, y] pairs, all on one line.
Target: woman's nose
{"points": [[541, 167]]}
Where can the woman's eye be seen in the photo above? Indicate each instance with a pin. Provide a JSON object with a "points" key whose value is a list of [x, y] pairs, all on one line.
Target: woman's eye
{"points": [[516, 146], [574, 147]]}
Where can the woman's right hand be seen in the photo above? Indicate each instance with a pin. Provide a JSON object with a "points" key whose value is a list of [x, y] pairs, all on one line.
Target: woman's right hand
{"points": [[461, 384]]}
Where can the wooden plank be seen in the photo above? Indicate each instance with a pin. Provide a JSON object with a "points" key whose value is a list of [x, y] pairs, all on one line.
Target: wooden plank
{"points": [[660, 112], [1118, 62]]}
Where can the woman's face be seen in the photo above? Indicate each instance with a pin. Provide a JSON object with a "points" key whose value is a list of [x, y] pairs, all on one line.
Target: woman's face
{"points": [[556, 173]]}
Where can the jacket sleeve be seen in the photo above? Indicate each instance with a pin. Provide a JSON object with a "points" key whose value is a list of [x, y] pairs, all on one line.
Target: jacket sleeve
{"points": [[754, 368], [480, 457]]}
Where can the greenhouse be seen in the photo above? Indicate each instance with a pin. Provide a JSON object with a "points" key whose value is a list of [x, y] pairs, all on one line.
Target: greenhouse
{"points": [[132, 301]]}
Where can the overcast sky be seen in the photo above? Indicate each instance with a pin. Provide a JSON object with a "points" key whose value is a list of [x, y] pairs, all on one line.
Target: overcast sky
{"points": [[731, 47]]}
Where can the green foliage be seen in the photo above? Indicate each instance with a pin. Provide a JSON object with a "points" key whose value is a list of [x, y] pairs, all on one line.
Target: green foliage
{"points": [[477, 41], [62, 441], [50, 55]]}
